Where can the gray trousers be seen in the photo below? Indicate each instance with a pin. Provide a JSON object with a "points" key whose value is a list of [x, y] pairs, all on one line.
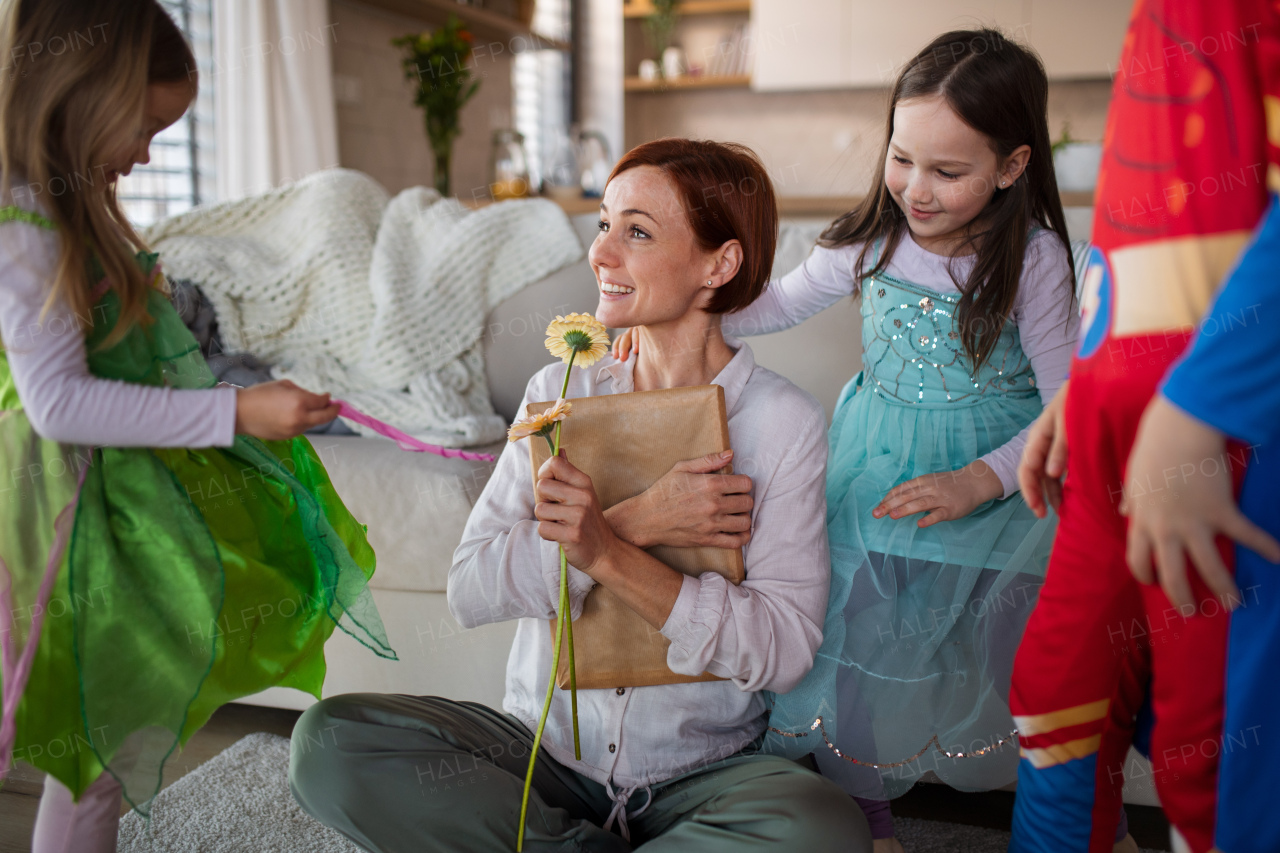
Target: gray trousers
{"points": [[401, 773]]}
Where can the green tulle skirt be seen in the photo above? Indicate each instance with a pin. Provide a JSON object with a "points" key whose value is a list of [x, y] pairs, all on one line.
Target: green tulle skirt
{"points": [[148, 587]]}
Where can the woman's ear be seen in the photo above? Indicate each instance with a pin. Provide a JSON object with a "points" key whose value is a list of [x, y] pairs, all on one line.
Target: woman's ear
{"points": [[727, 261]]}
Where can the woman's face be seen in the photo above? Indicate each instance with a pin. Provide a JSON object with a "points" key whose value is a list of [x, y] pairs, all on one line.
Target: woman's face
{"points": [[942, 172], [648, 266], [165, 104]]}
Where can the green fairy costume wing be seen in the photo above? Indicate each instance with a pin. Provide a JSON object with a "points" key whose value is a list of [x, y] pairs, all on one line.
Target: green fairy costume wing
{"points": [[191, 577]]}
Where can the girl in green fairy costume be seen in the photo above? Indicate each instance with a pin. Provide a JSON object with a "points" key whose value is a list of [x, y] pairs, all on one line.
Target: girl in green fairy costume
{"points": [[143, 508]]}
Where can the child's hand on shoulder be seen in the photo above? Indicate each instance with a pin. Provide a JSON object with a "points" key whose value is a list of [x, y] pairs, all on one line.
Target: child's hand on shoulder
{"points": [[276, 411], [625, 344], [946, 496]]}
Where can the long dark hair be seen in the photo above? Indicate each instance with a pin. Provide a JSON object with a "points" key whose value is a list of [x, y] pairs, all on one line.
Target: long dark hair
{"points": [[999, 89]]}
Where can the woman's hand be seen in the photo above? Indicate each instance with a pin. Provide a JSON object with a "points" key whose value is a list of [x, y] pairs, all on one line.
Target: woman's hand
{"points": [[691, 506], [276, 411], [1044, 459], [1178, 495], [568, 512], [625, 344], [946, 496]]}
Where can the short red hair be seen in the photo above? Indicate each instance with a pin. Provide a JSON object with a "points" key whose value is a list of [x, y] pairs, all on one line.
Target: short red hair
{"points": [[727, 195]]}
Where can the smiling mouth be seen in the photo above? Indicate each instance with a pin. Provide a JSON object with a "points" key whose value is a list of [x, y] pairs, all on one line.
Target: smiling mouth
{"points": [[923, 214], [615, 289]]}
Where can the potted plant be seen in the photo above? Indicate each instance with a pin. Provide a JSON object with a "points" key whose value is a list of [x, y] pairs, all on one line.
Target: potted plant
{"points": [[1076, 163], [659, 27], [437, 63]]}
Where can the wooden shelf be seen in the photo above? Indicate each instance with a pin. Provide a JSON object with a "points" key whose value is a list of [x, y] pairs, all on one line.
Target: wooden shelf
{"points": [[815, 207], [482, 23], [1077, 199], [662, 84], [831, 206], [571, 206], [644, 8], [823, 207]]}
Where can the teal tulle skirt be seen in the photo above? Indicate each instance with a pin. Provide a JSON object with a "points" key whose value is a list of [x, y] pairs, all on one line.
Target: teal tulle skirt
{"points": [[922, 625]]}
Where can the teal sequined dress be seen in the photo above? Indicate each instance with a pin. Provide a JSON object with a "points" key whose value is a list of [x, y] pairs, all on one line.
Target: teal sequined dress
{"points": [[922, 624]]}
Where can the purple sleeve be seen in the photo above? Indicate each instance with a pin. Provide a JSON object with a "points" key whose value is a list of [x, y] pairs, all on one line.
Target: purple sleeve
{"points": [[65, 402], [1047, 326], [818, 283]]}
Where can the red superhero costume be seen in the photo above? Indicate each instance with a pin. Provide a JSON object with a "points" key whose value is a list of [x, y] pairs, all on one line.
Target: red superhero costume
{"points": [[1184, 181]]}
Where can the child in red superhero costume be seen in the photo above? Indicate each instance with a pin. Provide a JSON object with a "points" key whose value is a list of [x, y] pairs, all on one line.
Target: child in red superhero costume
{"points": [[1184, 182]]}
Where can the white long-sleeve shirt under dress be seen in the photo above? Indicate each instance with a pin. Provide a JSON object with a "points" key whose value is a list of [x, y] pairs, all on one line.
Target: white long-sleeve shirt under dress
{"points": [[62, 399], [760, 635], [1043, 311]]}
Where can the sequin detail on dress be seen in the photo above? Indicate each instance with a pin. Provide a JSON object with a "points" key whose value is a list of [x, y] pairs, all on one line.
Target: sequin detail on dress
{"points": [[915, 356], [933, 741]]}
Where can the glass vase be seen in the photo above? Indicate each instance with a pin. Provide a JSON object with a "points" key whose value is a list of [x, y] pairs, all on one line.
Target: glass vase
{"points": [[443, 155]]}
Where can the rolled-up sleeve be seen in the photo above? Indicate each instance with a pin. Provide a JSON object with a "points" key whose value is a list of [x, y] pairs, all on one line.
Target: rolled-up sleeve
{"points": [[763, 633], [503, 569]]}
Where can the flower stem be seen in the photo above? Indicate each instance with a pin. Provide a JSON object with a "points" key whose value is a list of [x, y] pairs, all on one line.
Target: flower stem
{"points": [[563, 621], [537, 737], [564, 588], [573, 676], [564, 389]]}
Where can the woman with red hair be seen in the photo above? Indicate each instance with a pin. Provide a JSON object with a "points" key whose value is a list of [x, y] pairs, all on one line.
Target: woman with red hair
{"points": [[687, 233]]}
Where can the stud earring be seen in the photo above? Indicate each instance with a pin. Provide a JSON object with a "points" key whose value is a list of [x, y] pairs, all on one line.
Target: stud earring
{"points": [[708, 282]]}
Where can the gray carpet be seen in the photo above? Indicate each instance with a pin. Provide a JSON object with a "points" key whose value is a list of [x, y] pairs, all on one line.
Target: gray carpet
{"points": [[240, 801], [930, 836]]}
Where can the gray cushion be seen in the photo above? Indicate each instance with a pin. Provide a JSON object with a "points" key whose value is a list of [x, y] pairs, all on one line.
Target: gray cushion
{"points": [[515, 332]]}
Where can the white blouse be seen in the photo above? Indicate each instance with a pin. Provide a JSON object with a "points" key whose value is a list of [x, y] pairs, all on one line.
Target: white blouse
{"points": [[759, 635]]}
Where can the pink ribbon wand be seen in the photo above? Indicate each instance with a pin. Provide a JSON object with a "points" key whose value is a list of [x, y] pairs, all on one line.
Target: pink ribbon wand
{"points": [[406, 442]]}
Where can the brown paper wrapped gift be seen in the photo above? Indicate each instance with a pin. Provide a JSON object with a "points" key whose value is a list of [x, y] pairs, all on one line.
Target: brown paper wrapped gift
{"points": [[625, 443]]}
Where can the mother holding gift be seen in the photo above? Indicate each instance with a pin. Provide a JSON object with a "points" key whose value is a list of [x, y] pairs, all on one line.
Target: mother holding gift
{"points": [[687, 234]]}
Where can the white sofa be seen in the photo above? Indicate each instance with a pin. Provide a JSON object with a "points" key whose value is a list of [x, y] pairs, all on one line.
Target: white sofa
{"points": [[415, 505]]}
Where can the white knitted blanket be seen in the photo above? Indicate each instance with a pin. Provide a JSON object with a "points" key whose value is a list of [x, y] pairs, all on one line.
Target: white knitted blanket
{"points": [[382, 303]]}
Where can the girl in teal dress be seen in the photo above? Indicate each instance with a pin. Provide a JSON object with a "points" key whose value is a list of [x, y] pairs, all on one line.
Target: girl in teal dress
{"points": [[166, 546], [959, 254]]}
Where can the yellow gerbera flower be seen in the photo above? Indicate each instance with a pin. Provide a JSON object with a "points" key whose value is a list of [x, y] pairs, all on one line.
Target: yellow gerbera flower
{"points": [[578, 333], [540, 424]]}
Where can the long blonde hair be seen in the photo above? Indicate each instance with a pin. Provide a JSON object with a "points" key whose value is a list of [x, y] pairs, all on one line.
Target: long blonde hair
{"points": [[73, 93]]}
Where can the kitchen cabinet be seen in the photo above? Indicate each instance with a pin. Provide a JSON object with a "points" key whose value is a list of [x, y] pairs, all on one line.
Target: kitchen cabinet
{"points": [[830, 44], [801, 45], [1079, 38]]}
